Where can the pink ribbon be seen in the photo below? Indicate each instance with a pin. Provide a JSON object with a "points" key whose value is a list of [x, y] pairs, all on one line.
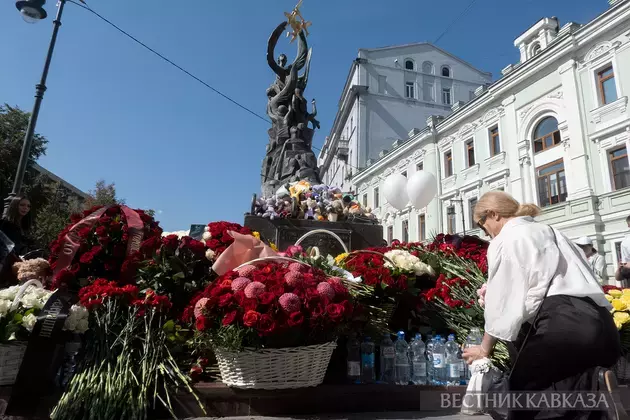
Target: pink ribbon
{"points": [[244, 249]]}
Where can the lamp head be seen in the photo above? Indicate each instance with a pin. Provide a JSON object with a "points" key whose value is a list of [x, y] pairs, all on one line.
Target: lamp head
{"points": [[31, 10]]}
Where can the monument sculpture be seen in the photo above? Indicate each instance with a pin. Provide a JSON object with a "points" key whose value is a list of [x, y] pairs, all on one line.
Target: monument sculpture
{"points": [[289, 156]]}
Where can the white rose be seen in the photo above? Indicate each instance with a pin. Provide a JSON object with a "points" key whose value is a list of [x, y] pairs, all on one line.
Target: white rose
{"points": [[80, 311], [82, 326], [9, 293], [29, 322], [207, 236], [206, 229], [210, 254], [5, 305], [70, 324], [31, 301]]}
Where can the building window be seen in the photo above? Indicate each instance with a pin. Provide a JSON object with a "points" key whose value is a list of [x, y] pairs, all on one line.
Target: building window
{"points": [[495, 141], [446, 71], [376, 198], [446, 96], [409, 90], [404, 174], [390, 234], [427, 67], [364, 200], [428, 91], [606, 86], [409, 64], [422, 227], [382, 84], [420, 167], [448, 164], [552, 184], [618, 251], [471, 211], [536, 49], [546, 135], [470, 152], [405, 231], [619, 168], [450, 220]]}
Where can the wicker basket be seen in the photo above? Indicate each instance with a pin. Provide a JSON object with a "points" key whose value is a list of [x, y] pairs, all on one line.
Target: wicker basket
{"points": [[11, 356], [284, 368]]}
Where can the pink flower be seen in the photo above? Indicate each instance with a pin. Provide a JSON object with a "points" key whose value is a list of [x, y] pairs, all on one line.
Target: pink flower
{"points": [[290, 302], [293, 250], [296, 267], [293, 278], [240, 283], [254, 289], [246, 270], [325, 290], [199, 307]]}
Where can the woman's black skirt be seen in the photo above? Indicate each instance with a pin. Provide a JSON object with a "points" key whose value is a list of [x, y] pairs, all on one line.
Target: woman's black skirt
{"points": [[571, 338]]}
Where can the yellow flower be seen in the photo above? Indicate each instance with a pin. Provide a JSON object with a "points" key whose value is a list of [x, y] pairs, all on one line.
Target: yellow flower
{"points": [[615, 293], [625, 292], [622, 317], [609, 298], [625, 299], [339, 259], [256, 235], [273, 246], [618, 325], [619, 305]]}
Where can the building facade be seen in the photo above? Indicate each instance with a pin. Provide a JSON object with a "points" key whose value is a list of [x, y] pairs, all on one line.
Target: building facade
{"points": [[388, 92], [553, 130]]}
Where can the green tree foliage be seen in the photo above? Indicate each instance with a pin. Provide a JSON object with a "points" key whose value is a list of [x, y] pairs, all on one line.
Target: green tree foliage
{"points": [[53, 217], [103, 194]]}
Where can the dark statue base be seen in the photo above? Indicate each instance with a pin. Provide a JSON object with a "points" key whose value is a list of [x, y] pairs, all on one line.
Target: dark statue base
{"points": [[285, 232]]}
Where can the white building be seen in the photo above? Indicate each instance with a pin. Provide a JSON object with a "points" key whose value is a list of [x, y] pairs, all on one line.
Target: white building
{"points": [[388, 93], [554, 130]]}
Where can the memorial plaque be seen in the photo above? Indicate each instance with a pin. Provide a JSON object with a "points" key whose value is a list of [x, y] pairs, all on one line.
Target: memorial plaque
{"points": [[196, 231], [285, 232]]}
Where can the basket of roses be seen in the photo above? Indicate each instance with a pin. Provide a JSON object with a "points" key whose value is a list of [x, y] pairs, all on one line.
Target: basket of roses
{"points": [[273, 323], [19, 307]]}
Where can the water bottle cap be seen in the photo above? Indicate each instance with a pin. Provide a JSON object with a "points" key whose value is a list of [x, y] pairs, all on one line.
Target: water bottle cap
{"points": [[451, 337], [401, 334], [418, 336]]}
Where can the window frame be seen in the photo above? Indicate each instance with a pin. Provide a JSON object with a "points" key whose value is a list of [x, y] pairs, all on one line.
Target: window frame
{"points": [[451, 220], [364, 200], [448, 69], [493, 136], [611, 159], [542, 138], [422, 227], [448, 163], [410, 87], [376, 197], [413, 64], [601, 80], [471, 211], [390, 234], [404, 173], [470, 146], [382, 84], [449, 91], [431, 70], [538, 177], [405, 231], [420, 166]]}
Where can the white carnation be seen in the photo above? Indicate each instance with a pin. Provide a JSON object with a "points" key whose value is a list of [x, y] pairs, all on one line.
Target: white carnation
{"points": [[206, 236], [77, 320], [206, 229], [31, 300], [5, 305], [82, 326], [210, 254], [9, 293], [29, 322]]}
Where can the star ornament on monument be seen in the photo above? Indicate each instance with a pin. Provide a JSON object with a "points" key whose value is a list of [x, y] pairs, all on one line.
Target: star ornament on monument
{"points": [[297, 22]]}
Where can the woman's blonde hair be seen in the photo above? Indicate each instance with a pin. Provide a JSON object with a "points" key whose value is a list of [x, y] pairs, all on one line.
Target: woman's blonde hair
{"points": [[504, 205]]}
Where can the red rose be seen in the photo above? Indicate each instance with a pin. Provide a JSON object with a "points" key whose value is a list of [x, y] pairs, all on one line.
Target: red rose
{"points": [[225, 300], [251, 318], [84, 232], [229, 318], [202, 323], [62, 278], [266, 325], [277, 290], [295, 319], [101, 231], [86, 258], [266, 298], [250, 304], [335, 311]]}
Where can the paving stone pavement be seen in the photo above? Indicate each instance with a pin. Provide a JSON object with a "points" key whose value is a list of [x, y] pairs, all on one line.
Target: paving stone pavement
{"points": [[365, 416]]}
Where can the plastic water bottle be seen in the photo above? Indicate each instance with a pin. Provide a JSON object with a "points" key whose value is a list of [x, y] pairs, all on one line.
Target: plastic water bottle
{"points": [[354, 359], [439, 361], [430, 370], [367, 361], [403, 368], [474, 339], [418, 361], [453, 363], [387, 353]]}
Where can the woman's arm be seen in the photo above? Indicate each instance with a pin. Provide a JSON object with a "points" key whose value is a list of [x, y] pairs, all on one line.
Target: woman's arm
{"points": [[470, 354]]}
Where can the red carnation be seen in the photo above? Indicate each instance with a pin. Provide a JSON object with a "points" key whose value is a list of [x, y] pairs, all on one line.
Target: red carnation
{"points": [[202, 323], [225, 300], [230, 318], [266, 325], [295, 319], [251, 318], [266, 298], [335, 311]]}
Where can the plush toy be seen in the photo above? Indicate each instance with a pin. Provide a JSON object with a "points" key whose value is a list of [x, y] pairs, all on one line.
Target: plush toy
{"points": [[283, 192], [368, 213], [299, 188], [270, 211], [309, 210], [35, 269]]}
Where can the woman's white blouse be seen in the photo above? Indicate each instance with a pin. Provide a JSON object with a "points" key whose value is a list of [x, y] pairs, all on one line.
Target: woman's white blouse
{"points": [[522, 260]]}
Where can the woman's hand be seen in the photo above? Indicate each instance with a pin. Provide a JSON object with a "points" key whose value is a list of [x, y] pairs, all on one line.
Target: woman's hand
{"points": [[470, 354]]}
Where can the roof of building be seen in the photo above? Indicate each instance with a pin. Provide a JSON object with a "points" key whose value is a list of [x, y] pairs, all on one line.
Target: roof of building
{"points": [[62, 181]]}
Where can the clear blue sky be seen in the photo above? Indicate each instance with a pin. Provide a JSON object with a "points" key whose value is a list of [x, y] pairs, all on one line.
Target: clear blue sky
{"points": [[114, 111]]}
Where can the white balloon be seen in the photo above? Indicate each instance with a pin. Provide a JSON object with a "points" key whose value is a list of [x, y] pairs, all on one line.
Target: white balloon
{"points": [[395, 191], [421, 189]]}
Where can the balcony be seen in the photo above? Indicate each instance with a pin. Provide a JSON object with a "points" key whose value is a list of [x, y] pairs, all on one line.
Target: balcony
{"points": [[343, 148]]}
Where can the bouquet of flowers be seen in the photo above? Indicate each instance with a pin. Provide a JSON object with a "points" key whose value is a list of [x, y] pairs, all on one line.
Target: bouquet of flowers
{"points": [[18, 320], [272, 306], [127, 366], [217, 239], [102, 236], [620, 300]]}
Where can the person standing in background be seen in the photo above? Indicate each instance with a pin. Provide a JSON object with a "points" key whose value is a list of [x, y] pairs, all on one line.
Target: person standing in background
{"points": [[595, 260], [16, 225]]}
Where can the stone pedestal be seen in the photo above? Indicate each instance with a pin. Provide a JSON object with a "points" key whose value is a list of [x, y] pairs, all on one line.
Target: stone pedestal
{"points": [[285, 232]]}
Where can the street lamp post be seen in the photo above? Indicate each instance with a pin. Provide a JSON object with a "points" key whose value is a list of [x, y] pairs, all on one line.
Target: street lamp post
{"points": [[33, 11], [461, 203]]}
